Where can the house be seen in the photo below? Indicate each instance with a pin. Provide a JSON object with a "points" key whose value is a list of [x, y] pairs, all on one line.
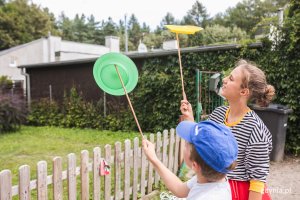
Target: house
{"points": [[47, 50], [51, 80]]}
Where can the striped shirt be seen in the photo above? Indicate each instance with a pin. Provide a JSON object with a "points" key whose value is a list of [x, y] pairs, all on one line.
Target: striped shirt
{"points": [[254, 144]]}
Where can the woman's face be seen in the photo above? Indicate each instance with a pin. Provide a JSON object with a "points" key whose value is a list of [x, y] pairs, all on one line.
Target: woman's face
{"points": [[232, 84]]}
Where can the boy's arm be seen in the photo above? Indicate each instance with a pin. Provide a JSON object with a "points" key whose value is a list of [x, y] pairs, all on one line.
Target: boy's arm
{"points": [[172, 182]]}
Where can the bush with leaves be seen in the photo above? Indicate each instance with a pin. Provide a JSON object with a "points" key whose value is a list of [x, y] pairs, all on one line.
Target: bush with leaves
{"points": [[44, 113], [12, 112]]}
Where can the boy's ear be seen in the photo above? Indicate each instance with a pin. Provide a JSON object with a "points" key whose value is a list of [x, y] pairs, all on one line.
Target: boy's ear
{"points": [[195, 166]]}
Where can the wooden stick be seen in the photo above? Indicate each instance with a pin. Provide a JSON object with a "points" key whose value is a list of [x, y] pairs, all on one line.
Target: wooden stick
{"points": [[180, 65], [131, 107]]}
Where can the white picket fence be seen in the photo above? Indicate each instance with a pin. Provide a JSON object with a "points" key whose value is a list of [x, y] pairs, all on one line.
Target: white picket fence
{"points": [[133, 176]]}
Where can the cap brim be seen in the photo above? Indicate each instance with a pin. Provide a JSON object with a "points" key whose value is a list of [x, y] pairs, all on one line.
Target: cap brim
{"points": [[185, 130], [107, 78]]}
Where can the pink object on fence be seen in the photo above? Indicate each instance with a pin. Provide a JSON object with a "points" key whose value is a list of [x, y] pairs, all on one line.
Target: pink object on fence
{"points": [[104, 168]]}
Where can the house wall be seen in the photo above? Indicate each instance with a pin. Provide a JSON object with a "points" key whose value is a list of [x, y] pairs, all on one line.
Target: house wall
{"points": [[74, 50], [32, 53], [62, 78], [45, 50]]}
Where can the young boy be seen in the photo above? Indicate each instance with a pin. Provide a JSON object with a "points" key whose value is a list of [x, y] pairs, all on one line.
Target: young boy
{"points": [[211, 151]]}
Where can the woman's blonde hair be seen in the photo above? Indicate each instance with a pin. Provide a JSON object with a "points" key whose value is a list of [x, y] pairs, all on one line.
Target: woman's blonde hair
{"points": [[254, 79]]}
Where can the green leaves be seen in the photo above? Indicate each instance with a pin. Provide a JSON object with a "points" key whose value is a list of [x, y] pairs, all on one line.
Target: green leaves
{"points": [[12, 112], [21, 23]]}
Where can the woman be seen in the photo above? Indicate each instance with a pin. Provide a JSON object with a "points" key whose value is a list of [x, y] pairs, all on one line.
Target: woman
{"points": [[246, 83]]}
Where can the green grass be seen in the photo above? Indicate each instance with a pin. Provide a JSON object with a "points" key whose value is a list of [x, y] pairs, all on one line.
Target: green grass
{"points": [[33, 144]]}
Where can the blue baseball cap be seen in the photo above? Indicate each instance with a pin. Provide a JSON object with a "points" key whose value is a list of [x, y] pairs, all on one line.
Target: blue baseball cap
{"points": [[214, 142]]}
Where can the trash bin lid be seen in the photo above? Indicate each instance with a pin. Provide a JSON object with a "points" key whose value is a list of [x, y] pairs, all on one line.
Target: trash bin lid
{"points": [[278, 108]]}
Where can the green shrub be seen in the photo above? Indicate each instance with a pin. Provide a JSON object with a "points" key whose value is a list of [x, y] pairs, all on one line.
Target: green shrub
{"points": [[12, 112], [45, 113]]}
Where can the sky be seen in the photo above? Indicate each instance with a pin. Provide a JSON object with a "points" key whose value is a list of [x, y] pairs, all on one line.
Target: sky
{"points": [[151, 12]]}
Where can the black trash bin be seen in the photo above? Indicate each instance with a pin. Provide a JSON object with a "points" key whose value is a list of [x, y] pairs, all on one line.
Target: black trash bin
{"points": [[275, 118]]}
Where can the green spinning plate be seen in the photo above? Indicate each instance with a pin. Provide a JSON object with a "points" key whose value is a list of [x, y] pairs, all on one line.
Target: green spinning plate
{"points": [[107, 78]]}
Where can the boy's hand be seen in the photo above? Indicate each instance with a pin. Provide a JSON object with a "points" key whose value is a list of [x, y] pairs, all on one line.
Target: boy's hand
{"points": [[149, 150], [186, 110]]}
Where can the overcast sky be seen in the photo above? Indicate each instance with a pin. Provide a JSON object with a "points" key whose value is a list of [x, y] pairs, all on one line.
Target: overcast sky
{"points": [[151, 11]]}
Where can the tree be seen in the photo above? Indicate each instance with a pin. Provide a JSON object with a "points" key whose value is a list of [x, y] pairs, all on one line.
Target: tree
{"points": [[134, 31], [220, 34], [21, 23], [197, 16], [2, 2], [286, 81], [92, 27], [248, 13], [80, 28]]}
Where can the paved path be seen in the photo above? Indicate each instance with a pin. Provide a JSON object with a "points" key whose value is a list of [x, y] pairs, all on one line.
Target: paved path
{"points": [[284, 179]]}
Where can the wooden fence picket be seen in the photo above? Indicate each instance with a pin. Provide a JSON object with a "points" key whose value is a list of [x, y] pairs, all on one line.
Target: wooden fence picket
{"points": [[171, 149], [150, 170], [42, 190], [72, 190], [159, 155], [5, 185], [96, 176], [84, 173], [57, 179], [176, 154], [107, 178], [165, 148], [127, 169], [135, 168], [117, 170], [24, 182], [143, 171]]}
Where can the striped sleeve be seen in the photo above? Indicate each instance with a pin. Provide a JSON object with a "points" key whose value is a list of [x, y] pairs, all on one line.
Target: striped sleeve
{"points": [[257, 153], [218, 115]]}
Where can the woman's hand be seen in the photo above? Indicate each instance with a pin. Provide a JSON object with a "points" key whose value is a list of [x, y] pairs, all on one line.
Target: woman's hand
{"points": [[186, 110]]}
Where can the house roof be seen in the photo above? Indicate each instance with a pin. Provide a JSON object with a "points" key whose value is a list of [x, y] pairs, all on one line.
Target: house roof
{"points": [[153, 53]]}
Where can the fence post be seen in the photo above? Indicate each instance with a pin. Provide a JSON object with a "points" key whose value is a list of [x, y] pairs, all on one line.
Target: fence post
{"points": [[5, 185], [117, 170], [171, 149], [177, 141], [158, 153], [150, 169], [107, 178], [24, 182], [57, 179], [135, 168], [84, 173], [72, 190], [96, 176], [42, 190], [143, 171], [127, 169], [165, 148]]}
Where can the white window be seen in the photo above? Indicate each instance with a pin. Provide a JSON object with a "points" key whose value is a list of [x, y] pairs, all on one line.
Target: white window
{"points": [[13, 61]]}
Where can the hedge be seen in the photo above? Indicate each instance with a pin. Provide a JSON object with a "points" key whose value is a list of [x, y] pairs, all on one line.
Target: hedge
{"points": [[156, 98]]}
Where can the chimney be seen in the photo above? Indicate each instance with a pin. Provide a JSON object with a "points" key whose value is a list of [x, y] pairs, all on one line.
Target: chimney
{"points": [[280, 17], [171, 44], [113, 43]]}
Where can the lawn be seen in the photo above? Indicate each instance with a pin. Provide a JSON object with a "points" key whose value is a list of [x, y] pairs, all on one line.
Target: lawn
{"points": [[32, 144]]}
